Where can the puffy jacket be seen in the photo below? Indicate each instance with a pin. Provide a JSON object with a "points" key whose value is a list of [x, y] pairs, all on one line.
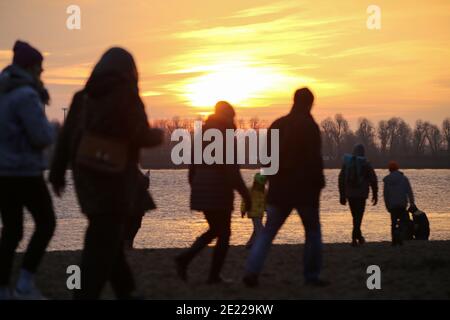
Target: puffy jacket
{"points": [[24, 129], [397, 191]]}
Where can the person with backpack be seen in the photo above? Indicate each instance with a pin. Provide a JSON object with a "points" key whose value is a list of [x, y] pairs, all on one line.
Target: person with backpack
{"points": [[101, 139], [355, 178], [24, 134], [397, 193]]}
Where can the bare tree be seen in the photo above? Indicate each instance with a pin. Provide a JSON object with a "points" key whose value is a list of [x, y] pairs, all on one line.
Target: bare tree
{"points": [[254, 123], [419, 138], [327, 139], [434, 137], [365, 134], [446, 132], [404, 133], [383, 135], [335, 133]]}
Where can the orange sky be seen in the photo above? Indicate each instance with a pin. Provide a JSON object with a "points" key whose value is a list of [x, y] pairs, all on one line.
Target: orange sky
{"points": [[254, 53]]}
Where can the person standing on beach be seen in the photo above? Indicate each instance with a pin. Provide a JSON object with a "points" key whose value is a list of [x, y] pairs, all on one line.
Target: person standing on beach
{"points": [[104, 131], [356, 175], [24, 134], [212, 192], [297, 185], [397, 193]]}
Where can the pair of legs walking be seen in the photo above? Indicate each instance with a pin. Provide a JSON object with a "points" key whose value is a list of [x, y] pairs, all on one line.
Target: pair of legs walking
{"points": [[219, 227], [357, 208], [276, 217], [103, 259], [17, 193]]}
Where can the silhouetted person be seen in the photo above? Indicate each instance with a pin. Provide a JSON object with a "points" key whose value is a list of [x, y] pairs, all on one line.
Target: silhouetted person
{"points": [[24, 134], [355, 178], [297, 185], [141, 205], [212, 192], [105, 128], [397, 194]]}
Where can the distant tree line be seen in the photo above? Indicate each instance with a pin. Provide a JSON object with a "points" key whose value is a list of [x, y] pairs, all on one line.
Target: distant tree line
{"points": [[425, 145]]}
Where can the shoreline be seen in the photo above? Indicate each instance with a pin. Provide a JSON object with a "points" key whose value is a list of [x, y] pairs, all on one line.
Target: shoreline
{"points": [[417, 270]]}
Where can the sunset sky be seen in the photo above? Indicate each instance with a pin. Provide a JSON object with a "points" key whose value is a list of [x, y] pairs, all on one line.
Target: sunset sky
{"points": [[253, 53]]}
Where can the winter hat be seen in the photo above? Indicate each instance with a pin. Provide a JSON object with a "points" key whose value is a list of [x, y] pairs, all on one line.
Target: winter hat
{"points": [[25, 55], [393, 166]]}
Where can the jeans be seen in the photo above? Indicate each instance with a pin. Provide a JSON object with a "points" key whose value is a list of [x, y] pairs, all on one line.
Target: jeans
{"points": [[103, 259], [357, 207], [17, 193], [276, 217], [219, 227], [257, 228]]}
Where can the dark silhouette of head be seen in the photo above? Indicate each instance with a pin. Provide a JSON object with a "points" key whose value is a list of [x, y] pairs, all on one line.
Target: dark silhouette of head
{"points": [[28, 58], [117, 61], [224, 110], [224, 113], [303, 101], [115, 66], [359, 150], [393, 166]]}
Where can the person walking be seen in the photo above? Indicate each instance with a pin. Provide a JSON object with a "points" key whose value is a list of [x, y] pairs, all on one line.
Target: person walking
{"points": [[397, 194], [105, 128], [212, 192], [24, 134], [297, 185], [355, 178], [258, 195]]}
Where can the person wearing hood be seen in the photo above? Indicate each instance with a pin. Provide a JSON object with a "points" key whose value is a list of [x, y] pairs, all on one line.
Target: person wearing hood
{"points": [[297, 185], [355, 178], [101, 138], [212, 192], [397, 194], [24, 134]]}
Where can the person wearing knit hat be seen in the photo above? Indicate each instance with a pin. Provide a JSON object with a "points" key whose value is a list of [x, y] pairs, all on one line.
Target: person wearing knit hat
{"points": [[397, 194], [26, 56], [24, 134]]}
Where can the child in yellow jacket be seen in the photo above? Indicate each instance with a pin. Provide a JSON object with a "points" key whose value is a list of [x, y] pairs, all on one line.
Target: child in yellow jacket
{"points": [[258, 195]]}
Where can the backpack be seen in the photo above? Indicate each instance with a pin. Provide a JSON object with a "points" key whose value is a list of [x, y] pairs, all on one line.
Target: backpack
{"points": [[354, 171]]}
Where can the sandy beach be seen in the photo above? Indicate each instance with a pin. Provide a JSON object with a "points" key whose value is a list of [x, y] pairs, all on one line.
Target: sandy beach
{"points": [[417, 270]]}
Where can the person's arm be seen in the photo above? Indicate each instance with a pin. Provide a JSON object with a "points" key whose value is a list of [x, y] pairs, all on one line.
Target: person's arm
{"points": [[373, 181], [31, 113], [409, 192], [386, 196], [62, 153], [141, 134], [234, 178], [341, 185]]}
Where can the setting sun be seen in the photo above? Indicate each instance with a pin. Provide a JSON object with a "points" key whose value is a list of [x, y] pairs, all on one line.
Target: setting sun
{"points": [[237, 83]]}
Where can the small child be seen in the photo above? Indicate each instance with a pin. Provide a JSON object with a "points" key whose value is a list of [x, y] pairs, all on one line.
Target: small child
{"points": [[421, 224], [258, 195]]}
